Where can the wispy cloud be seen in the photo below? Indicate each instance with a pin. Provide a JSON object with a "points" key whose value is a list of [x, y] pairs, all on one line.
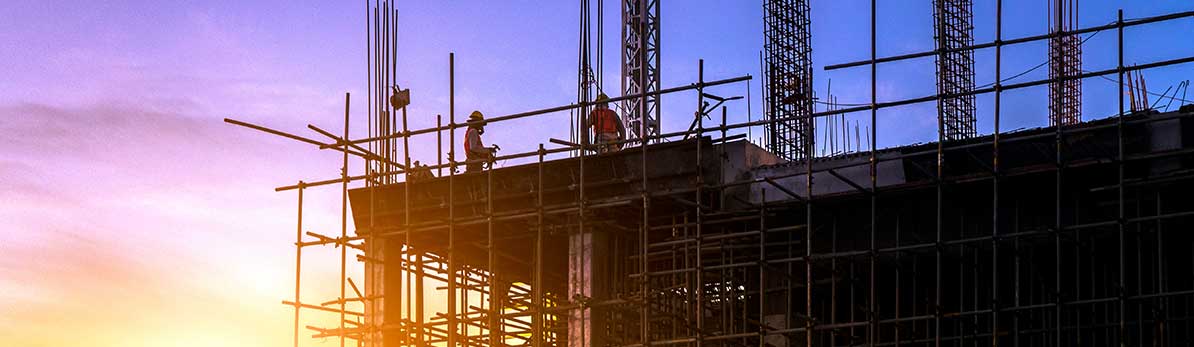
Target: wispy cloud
{"points": [[153, 211]]}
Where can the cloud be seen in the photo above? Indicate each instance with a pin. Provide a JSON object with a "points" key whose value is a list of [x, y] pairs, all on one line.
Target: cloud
{"points": [[120, 215]]}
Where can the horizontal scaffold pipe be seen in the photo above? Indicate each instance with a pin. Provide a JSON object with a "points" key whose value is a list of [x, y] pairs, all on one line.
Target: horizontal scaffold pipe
{"points": [[453, 126], [363, 153]]}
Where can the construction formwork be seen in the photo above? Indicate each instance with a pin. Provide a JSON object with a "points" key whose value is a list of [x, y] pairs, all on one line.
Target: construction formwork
{"points": [[1049, 237]]}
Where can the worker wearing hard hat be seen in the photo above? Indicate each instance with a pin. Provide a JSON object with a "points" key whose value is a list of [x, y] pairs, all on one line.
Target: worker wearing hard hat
{"points": [[474, 150], [607, 127]]}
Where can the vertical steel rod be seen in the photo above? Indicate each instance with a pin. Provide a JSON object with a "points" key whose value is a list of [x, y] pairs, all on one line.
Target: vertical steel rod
{"points": [[495, 299], [373, 120], [369, 90], [298, 262], [873, 322], [344, 222], [420, 308], [995, 177], [898, 272], [700, 284], [406, 207], [763, 326], [1016, 279], [451, 200], [833, 274], [383, 85], [808, 251], [722, 158], [1119, 162], [537, 288], [439, 146], [940, 161]]}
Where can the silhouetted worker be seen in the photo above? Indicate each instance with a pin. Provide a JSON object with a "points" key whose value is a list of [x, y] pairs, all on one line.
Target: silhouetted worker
{"points": [[420, 172], [476, 154], [606, 126]]}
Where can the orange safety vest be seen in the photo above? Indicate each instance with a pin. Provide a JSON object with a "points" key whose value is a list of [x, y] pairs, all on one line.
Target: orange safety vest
{"points": [[468, 151], [604, 121]]}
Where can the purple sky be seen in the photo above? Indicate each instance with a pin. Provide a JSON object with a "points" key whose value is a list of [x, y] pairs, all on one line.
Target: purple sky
{"points": [[121, 187]]}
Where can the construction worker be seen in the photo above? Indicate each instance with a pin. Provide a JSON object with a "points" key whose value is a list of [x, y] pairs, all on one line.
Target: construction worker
{"points": [[420, 172], [607, 127], [475, 151]]}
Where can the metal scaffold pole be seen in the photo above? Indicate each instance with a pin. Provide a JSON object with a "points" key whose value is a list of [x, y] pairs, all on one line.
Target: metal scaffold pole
{"points": [[872, 308], [1119, 164], [344, 224], [451, 328], [995, 238], [298, 263]]}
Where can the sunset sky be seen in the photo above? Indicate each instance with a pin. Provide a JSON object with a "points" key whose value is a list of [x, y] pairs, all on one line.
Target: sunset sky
{"points": [[133, 216]]}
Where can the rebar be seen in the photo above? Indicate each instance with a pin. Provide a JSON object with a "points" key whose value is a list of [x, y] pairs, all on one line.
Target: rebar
{"points": [[953, 22], [1065, 60], [789, 78]]}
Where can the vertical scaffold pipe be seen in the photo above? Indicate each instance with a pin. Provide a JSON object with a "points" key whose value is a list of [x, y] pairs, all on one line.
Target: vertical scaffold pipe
{"points": [[1119, 162], [344, 222], [873, 321], [298, 262], [995, 304], [451, 200]]}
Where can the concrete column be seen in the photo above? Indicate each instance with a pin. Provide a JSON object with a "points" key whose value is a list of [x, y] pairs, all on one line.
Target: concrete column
{"points": [[375, 277], [588, 265]]}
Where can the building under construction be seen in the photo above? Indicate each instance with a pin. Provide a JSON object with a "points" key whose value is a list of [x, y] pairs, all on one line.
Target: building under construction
{"points": [[1073, 234]]}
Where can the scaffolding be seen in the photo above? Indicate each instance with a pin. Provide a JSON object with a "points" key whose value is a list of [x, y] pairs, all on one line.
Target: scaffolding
{"points": [[706, 240], [787, 43], [953, 22], [1065, 60]]}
